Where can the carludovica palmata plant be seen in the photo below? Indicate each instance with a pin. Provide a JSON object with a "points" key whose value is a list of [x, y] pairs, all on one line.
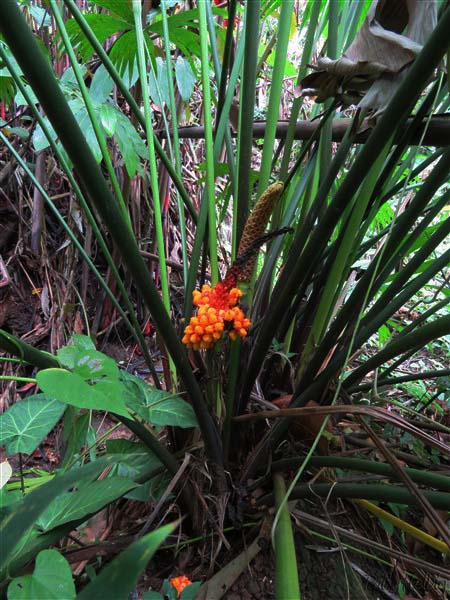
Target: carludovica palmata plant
{"points": [[303, 292]]}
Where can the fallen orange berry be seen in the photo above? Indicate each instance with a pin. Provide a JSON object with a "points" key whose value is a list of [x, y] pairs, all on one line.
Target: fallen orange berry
{"points": [[179, 583]]}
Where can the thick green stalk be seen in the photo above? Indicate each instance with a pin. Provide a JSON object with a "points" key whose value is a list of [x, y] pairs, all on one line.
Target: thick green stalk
{"points": [[297, 103], [40, 76], [366, 466], [337, 274], [286, 573], [203, 215], [176, 141], [273, 110], [331, 51], [157, 213], [371, 491], [400, 105], [143, 77], [245, 134], [217, 71], [395, 250], [226, 57], [99, 133], [86, 29], [390, 381], [209, 149], [419, 337]]}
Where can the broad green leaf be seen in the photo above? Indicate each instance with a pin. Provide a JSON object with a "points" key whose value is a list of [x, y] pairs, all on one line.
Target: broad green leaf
{"points": [[82, 341], [123, 55], [190, 591], [69, 81], [108, 118], [130, 144], [170, 411], [121, 8], [119, 578], [40, 15], [89, 499], [159, 86], [185, 78], [51, 579], [7, 87], [157, 406], [137, 463], [72, 389], [26, 423], [15, 526], [102, 25], [151, 595], [39, 139], [67, 354], [74, 432], [88, 364], [101, 85]]}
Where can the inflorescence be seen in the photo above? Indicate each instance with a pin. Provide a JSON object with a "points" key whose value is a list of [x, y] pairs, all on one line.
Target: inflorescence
{"points": [[218, 312]]}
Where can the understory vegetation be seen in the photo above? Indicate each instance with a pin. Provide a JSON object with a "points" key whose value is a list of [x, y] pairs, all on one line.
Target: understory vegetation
{"points": [[224, 299]]}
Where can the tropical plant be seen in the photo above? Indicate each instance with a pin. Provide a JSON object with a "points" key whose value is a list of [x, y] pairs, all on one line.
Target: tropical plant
{"points": [[357, 231]]}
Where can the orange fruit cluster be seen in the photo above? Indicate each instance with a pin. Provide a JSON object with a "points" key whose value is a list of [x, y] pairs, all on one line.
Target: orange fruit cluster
{"points": [[217, 308], [179, 583]]}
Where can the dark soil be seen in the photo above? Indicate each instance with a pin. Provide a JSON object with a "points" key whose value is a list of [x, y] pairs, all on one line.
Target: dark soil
{"points": [[322, 576]]}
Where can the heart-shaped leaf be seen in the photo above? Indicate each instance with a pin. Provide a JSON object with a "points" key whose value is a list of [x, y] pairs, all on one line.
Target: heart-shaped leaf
{"points": [[51, 580], [72, 389], [26, 423]]}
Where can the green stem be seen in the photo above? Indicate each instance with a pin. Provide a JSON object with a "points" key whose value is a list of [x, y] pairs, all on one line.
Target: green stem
{"points": [[295, 268], [245, 134], [371, 491], [286, 573], [207, 116], [176, 141], [276, 84], [366, 466], [143, 77], [15, 378]]}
